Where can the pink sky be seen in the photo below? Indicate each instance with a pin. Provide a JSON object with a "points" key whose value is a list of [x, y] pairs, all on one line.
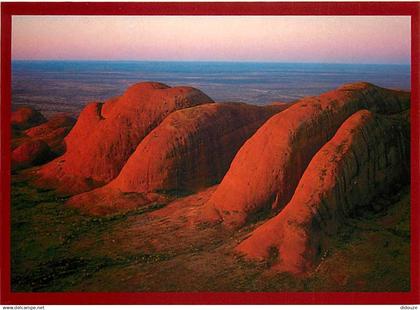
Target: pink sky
{"points": [[349, 39]]}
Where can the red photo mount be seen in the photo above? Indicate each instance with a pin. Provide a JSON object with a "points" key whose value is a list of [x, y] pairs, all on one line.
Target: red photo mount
{"points": [[8, 10]]}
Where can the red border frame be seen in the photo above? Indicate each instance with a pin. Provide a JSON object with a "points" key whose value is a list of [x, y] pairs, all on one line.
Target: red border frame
{"points": [[206, 8]]}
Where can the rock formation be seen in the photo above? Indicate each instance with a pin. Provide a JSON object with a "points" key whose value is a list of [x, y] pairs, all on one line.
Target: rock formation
{"points": [[30, 153], [26, 117], [105, 135], [306, 165], [264, 173], [35, 139], [190, 150], [52, 132], [365, 158]]}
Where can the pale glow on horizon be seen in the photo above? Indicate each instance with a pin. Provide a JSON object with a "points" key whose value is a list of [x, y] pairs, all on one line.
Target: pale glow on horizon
{"points": [[332, 39]]}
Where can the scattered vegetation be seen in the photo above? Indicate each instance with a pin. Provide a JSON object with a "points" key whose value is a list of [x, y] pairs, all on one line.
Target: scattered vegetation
{"points": [[56, 248], [43, 232]]}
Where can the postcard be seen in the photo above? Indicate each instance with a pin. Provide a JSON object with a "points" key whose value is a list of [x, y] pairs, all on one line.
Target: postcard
{"points": [[210, 153]]}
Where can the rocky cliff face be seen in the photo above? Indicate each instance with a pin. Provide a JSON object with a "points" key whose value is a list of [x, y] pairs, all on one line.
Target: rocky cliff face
{"points": [[365, 158], [264, 173], [105, 135], [190, 150]]}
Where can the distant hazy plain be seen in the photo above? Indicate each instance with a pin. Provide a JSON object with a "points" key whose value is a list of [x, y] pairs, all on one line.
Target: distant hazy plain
{"points": [[67, 86]]}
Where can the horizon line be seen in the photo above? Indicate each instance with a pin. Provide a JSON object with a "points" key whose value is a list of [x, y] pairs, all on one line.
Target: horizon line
{"points": [[207, 61]]}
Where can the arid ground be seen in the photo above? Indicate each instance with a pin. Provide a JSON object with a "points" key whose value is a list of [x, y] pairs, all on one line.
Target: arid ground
{"points": [[163, 189], [55, 248]]}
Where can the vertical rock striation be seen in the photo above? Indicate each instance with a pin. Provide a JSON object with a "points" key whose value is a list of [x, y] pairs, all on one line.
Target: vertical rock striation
{"points": [[264, 173], [365, 158], [190, 150]]}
